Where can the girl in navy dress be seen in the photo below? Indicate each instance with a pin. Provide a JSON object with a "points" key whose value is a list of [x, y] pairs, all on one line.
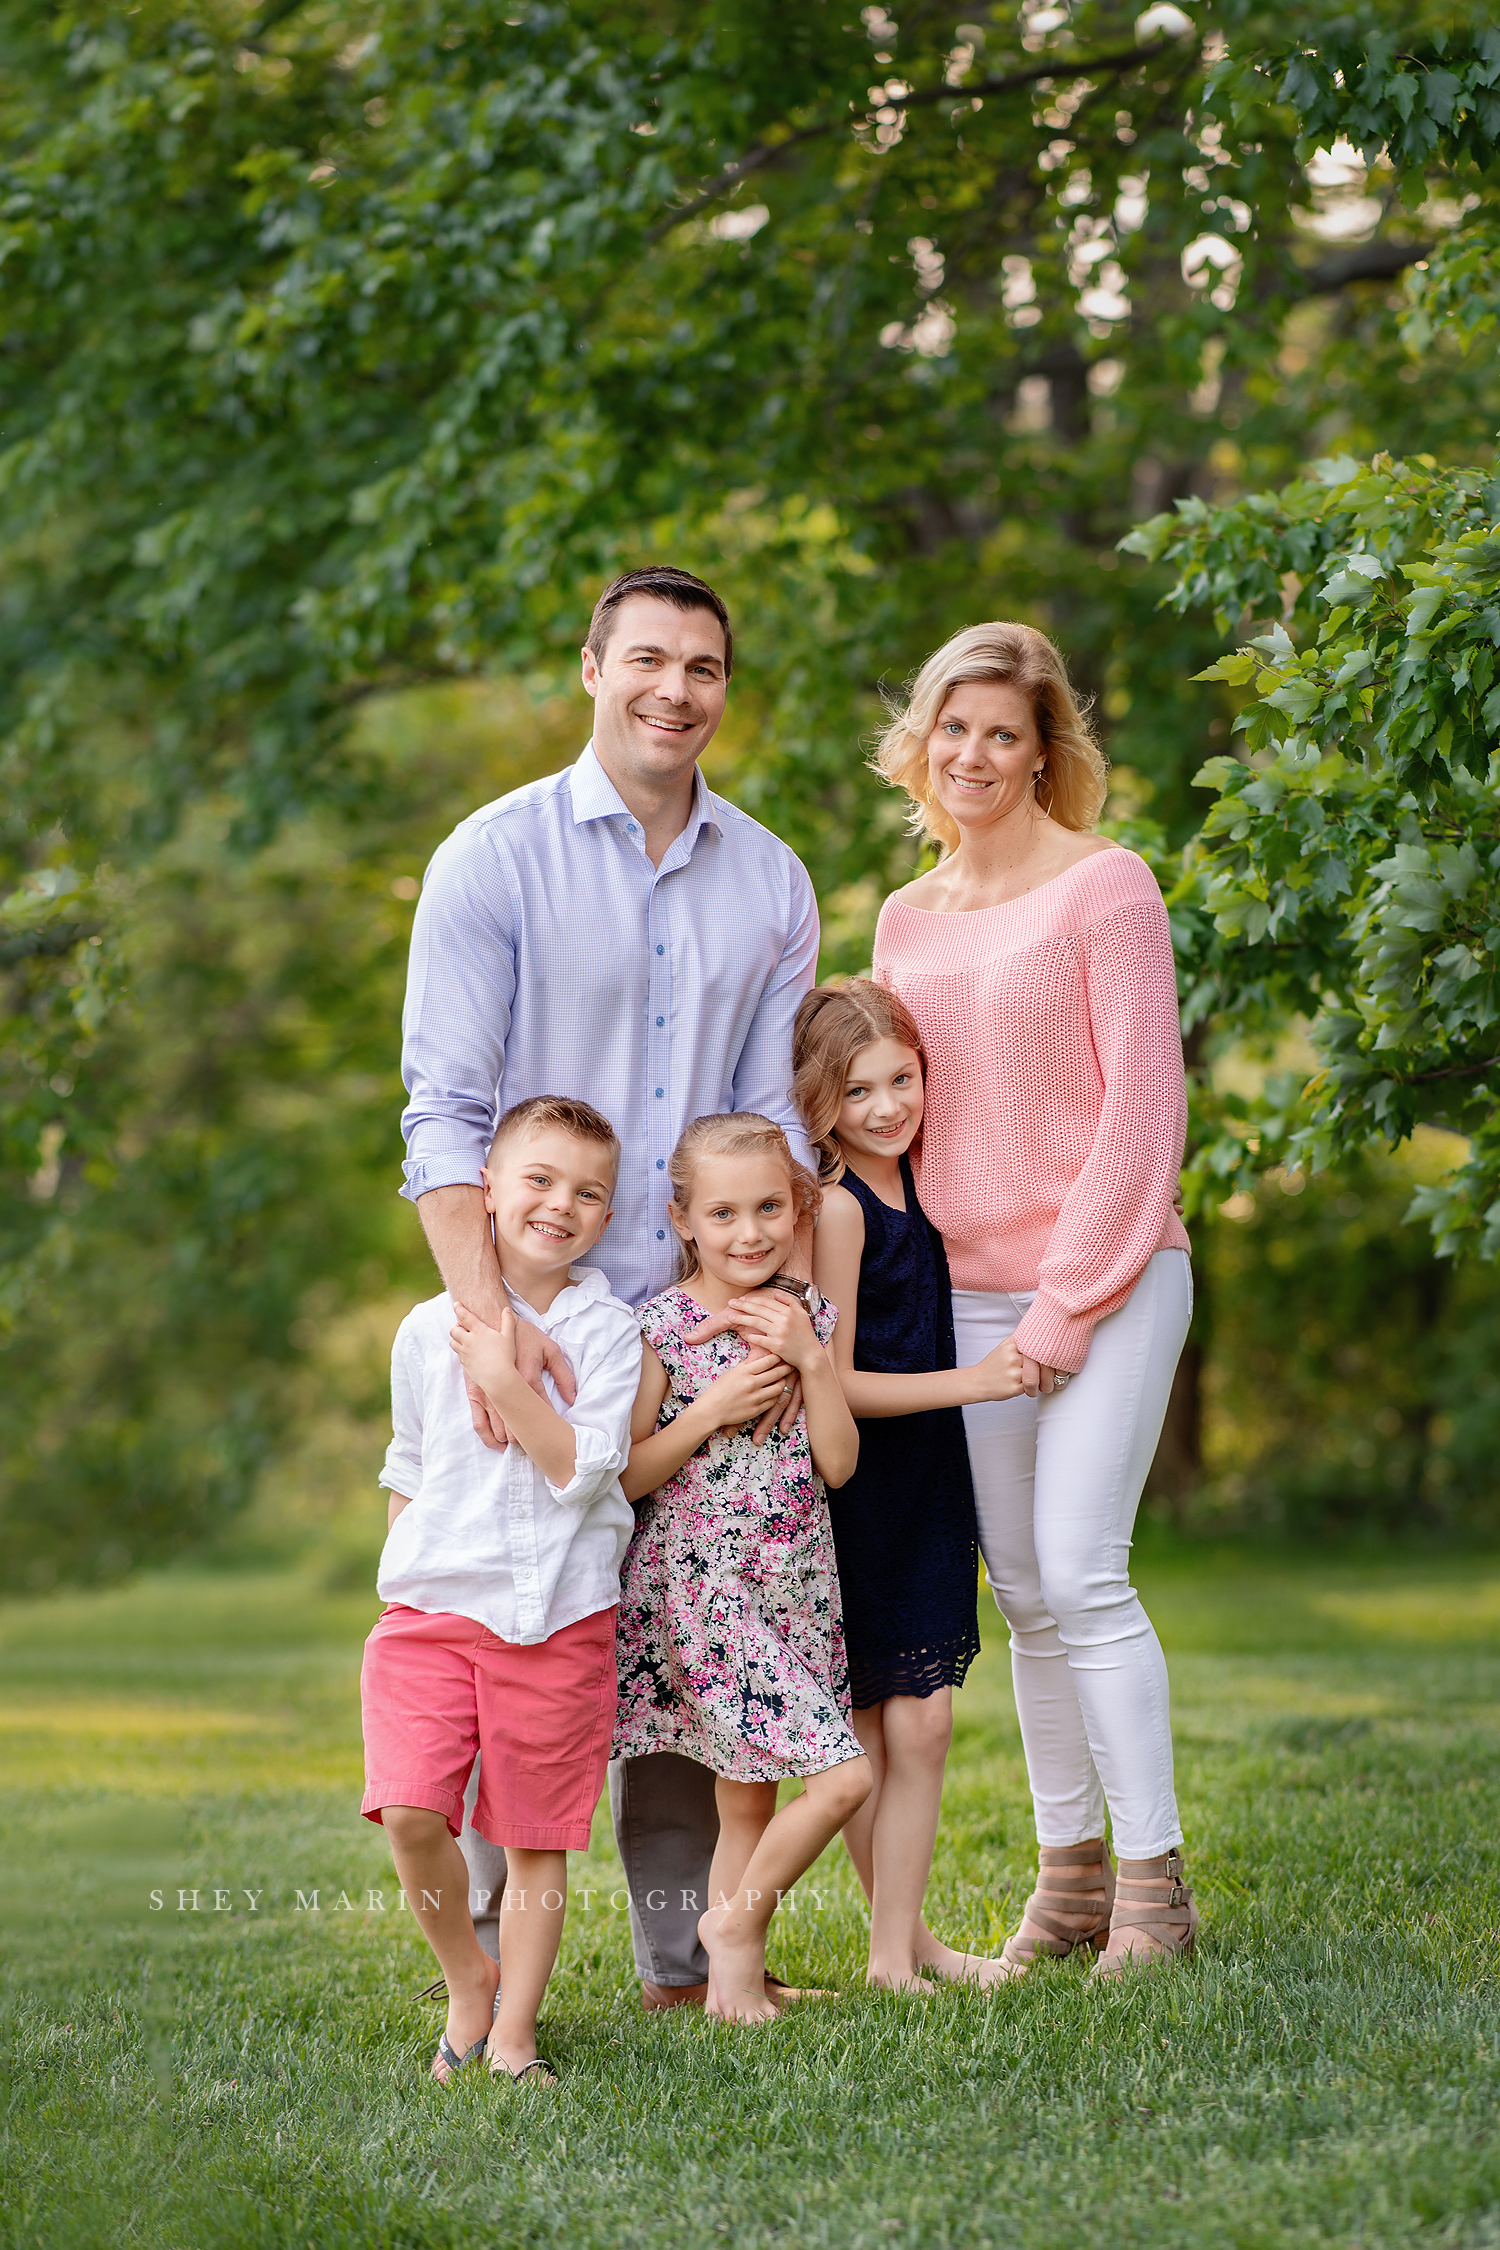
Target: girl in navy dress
{"points": [[903, 1526]]}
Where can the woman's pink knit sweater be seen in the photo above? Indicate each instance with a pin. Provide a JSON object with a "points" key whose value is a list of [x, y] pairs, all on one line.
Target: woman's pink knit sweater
{"points": [[1056, 1109]]}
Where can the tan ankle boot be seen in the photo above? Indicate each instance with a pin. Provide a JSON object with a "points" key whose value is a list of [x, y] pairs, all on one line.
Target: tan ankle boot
{"points": [[1075, 1889], [1155, 1916]]}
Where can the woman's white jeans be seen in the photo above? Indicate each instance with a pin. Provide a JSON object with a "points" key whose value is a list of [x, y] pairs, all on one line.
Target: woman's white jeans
{"points": [[1057, 1482]]}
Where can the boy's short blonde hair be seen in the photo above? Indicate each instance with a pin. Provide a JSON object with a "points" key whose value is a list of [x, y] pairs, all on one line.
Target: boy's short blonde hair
{"points": [[558, 1113]]}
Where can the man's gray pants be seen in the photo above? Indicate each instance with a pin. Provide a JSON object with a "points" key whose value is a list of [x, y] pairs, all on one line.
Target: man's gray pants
{"points": [[666, 1821], [666, 1824], [486, 1865]]}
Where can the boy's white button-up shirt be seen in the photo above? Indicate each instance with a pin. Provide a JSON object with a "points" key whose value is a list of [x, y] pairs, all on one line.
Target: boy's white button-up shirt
{"points": [[487, 1535]]}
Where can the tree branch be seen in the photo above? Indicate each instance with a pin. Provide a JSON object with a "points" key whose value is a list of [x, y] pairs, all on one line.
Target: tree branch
{"points": [[769, 152], [1102, 66], [1367, 261], [46, 945], [1454, 1070]]}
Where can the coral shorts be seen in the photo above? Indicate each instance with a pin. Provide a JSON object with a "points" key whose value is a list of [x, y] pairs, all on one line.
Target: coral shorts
{"points": [[435, 1689]]}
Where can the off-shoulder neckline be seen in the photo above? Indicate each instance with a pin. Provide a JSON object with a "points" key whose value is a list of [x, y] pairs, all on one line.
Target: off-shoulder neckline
{"points": [[959, 913]]}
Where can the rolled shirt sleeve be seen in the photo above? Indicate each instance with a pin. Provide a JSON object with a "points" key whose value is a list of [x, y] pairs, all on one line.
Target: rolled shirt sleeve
{"points": [[763, 1075], [403, 1457], [609, 1377], [460, 989]]}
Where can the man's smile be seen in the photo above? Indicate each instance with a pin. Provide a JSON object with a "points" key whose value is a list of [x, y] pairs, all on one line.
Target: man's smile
{"points": [[664, 725]]}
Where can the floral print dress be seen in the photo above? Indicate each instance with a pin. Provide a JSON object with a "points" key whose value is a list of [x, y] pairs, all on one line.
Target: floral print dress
{"points": [[731, 1635]]}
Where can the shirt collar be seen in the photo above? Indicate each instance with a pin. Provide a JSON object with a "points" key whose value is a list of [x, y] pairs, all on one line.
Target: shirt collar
{"points": [[586, 1285], [595, 797]]}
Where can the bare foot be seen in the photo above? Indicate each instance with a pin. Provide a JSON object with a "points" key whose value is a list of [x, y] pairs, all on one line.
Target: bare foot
{"points": [[786, 1995], [471, 2011], [895, 1980], [737, 1967], [941, 1960]]}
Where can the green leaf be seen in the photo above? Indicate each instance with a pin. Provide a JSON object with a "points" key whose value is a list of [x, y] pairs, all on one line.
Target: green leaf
{"points": [[1236, 668], [1422, 606], [1218, 773], [1348, 588]]}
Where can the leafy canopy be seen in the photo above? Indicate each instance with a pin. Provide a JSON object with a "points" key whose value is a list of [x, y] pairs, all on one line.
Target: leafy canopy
{"points": [[347, 347], [1350, 871]]}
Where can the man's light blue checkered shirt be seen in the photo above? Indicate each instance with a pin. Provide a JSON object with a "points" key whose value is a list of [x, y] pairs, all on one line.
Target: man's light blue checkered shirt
{"points": [[549, 956]]}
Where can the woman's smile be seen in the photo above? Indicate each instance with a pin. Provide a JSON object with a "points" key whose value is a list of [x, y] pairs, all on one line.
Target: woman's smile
{"points": [[985, 749]]}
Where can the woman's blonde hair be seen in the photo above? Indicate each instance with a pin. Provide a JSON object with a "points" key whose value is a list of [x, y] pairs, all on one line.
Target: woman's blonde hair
{"points": [[746, 1135], [833, 1025], [1071, 785]]}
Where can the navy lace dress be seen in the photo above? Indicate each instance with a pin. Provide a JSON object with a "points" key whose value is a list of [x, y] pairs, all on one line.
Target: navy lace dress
{"points": [[904, 1526]]}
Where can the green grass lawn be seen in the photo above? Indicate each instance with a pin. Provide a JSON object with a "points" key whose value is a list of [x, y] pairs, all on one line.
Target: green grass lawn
{"points": [[1328, 2070]]}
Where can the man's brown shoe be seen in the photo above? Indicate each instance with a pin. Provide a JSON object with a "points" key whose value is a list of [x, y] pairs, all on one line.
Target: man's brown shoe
{"points": [[654, 1996]]}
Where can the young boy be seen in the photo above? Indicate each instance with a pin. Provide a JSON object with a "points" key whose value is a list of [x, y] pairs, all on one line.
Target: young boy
{"points": [[502, 1575]]}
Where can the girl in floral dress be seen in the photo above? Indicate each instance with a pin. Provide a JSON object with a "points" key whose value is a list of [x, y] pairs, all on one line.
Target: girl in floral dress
{"points": [[731, 1645]]}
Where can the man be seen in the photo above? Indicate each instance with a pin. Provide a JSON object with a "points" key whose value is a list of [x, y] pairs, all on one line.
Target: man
{"points": [[618, 933]]}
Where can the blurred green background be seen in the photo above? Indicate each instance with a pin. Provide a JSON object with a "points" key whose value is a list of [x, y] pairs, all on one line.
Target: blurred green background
{"points": [[204, 1360], [349, 349]]}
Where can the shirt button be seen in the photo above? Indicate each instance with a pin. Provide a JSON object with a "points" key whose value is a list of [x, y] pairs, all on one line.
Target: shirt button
{"points": [[661, 1164], [661, 1234], [661, 949], [660, 1021], [659, 1091], [630, 827]]}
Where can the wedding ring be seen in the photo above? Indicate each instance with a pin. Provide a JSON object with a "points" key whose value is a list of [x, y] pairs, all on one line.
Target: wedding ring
{"points": [[1059, 1380]]}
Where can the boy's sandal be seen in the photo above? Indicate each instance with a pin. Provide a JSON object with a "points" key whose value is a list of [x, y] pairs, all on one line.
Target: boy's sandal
{"points": [[548, 2077], [453, 2062], [1158, 1908], [450, 2058]]}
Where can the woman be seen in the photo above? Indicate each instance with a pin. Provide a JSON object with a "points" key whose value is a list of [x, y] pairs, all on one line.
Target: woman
{"points": [[1037, 962]]}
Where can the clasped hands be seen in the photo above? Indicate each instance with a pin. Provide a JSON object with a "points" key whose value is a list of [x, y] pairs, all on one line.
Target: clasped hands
{"points": [[777, 1330], [764, 1327]]}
